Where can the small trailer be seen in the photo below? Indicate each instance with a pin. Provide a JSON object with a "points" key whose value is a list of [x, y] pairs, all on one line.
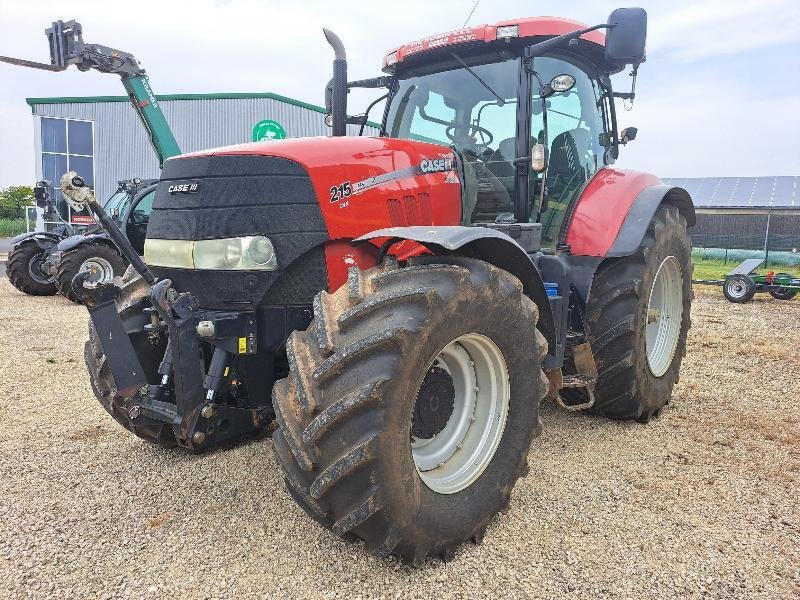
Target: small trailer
{"points": [[742, 283]]}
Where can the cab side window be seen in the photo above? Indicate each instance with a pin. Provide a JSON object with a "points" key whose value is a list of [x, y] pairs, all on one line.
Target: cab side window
{"points": [[136, 227], [575, 127]]}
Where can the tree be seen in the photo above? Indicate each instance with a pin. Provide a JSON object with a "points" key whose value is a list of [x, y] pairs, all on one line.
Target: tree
{"points": [[13, 201]]}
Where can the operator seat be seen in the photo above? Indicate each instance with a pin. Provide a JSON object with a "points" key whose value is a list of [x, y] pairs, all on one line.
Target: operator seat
{"points": [[565, 171]]}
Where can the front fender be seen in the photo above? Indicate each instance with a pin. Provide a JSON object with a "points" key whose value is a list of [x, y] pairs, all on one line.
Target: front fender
{"points": [[485, 244], [43, 239], [74, 241]]}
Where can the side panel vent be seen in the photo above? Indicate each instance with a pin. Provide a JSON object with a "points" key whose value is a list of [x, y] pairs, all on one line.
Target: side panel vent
{"points": [[410, 210], [396, 216]]}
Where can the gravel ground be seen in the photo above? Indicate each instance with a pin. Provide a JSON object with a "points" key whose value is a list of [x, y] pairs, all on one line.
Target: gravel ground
{"points": [[701, 502]]}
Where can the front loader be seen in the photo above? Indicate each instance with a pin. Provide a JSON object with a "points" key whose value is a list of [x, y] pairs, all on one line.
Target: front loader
{"points": [[401, 304]]}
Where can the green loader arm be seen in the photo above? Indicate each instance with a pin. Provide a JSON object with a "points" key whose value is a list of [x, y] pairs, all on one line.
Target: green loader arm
{"points": [[68, 48], [155, 123]]}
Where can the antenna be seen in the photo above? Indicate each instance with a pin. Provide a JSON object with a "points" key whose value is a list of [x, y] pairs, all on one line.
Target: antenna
{"points": [[469, 16]]}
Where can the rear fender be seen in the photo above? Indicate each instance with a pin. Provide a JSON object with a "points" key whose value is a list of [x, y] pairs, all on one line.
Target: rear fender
{"points": [[485, 244], [641, 214], [43, 239], [74, 241], [614, 211]]}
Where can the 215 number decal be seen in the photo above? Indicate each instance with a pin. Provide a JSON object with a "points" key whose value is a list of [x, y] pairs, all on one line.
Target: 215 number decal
{"points": [[338, 192]]}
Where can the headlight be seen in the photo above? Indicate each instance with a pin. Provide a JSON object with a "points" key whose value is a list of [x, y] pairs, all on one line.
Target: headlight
{"points": [[250, 253]]}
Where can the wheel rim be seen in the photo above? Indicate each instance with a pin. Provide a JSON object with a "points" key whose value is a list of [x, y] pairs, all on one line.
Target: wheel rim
{"points": [[664, 314], [35, 269], [99, 268], [736, 289], [462, 444]]}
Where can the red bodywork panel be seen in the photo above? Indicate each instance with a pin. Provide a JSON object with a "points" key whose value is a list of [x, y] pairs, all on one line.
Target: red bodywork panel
{"points": [[363, 184], [602, 208], [529, 27]]}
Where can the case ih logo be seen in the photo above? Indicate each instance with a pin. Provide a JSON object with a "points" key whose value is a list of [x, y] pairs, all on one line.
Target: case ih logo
{"points": [[184, 188], [82, 219], [436, 165]]}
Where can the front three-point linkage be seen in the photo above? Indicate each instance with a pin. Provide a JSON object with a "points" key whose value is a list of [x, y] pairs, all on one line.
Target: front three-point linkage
{"points": [[185, 396]]}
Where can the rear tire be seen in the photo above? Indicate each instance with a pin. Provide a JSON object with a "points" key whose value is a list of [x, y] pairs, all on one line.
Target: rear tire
{"points": [[102, 380], [345, 412], [73, 261], [738, 289], [23, 271], [636, 376]]}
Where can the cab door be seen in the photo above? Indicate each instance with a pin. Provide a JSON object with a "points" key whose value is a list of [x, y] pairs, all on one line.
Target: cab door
{"points": [[575, 151]]}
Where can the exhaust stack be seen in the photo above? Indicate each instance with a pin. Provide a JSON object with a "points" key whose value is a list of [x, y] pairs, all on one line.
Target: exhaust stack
{"points": [[336, 90]]}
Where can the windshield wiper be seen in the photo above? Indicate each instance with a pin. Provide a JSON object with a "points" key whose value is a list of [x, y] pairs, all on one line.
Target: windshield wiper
{"points": [[500, 101]]}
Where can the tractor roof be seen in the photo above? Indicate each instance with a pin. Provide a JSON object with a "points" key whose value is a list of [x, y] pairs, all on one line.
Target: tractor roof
{"points": [[530, 27]]}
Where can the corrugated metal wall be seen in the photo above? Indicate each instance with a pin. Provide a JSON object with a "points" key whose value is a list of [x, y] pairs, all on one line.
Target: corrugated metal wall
{"points": [[122, 150]]}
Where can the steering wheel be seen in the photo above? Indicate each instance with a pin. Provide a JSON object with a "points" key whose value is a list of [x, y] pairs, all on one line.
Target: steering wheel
{"points": [[472, 131]]}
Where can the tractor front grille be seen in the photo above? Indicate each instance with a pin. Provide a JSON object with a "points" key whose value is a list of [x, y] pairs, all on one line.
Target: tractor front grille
{"points": [[212, 197]]}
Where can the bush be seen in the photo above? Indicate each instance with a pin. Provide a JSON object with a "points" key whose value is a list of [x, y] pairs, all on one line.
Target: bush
{"points": [[11, 227], [13, 201]]}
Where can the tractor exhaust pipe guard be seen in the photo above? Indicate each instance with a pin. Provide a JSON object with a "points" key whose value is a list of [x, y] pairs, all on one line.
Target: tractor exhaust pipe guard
{"points": [[336, 90]]}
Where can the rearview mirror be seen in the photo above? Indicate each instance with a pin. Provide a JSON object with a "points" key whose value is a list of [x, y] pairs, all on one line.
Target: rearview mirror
{"points": [[626, 37], [628, 135], [41, 193]]}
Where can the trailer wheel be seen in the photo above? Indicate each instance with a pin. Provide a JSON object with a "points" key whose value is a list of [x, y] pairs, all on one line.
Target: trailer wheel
{"points": [[783, 293], [102, 380], [638, 318], [104, 260], [411, 402], [24, 273], [739, 289]]}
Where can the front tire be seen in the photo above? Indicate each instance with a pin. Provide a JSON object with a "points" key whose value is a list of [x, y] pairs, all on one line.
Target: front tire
{"points": [[352, 435], [106, 260], [102, 380], [24, 273], [638, 319]]}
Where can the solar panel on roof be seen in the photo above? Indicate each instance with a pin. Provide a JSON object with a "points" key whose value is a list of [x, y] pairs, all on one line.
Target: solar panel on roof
{"points": [[786, 192], [741, 192], [723, 193], [762, 192]]}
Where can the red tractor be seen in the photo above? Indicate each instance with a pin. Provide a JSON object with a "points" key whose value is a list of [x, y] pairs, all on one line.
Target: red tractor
{"points": [[401, 304]]}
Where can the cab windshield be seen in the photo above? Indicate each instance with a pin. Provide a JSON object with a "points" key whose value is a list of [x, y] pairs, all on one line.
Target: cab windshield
{"points": [[474, 111], [116, 205]]}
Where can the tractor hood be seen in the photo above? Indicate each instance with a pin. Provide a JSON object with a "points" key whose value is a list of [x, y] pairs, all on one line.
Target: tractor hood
{"points": [[359, 183], [299, 193]]}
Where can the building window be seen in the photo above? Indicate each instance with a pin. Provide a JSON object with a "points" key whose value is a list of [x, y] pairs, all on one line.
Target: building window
{"points": [[67, 145]]}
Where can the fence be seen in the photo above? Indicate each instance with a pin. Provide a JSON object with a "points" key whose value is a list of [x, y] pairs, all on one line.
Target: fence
{"points": [[777, 249]]}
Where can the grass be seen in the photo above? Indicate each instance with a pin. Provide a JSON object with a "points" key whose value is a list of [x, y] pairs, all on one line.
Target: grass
{"points": [[708, 268], [11, 227]]}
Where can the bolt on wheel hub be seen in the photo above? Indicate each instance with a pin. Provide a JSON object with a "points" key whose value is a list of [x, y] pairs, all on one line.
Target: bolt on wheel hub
{"points": [[100, 270], [460, 413], [434, 404], [664, 314]]}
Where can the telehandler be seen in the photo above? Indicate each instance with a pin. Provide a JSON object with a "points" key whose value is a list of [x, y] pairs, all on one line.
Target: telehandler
{"points": [[35, 264]]}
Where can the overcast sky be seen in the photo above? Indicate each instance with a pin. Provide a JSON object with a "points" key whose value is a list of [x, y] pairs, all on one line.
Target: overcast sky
{"points": [[718, 95]]}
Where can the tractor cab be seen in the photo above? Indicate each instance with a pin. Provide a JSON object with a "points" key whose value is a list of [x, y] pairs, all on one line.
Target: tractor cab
{"points": [[532, 119]]}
